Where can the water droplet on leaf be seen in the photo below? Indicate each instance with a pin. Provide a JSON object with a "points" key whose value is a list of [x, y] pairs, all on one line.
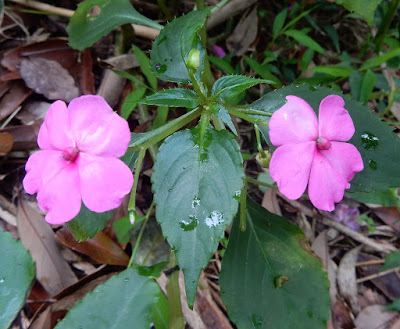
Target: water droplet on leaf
{"points": [[372, 164], [190, 224], [369, 140]]}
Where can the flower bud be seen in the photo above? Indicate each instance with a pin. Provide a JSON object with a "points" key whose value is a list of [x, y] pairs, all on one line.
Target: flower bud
{"points": [[193, 60], [263, 159]]}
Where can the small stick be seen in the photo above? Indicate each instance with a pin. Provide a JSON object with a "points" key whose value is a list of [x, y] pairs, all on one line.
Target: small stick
{"points": [[385, 248], [376, 275], [371, 262]]}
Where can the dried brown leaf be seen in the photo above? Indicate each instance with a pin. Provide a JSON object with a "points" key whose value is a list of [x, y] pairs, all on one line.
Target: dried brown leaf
{"points": [[49, 78], [346, 277], [390, 216], [270, 202], [13, 98], [56, 49], [244, 34], [37, 236], [374, 317], [6, 143], [24, 136], [101, 248]]}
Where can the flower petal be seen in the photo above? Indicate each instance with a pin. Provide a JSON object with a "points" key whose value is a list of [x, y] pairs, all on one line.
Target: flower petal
{"points": [[104, 182], [294, 122], [97, 129], [39, 169], [345, 158], [56, 182], [54, 133], [335, 123], [290, 168], [326, 185]]}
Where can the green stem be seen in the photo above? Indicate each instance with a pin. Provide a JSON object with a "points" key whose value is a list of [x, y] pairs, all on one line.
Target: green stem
{"points": [[387, 19], [258, 138], [144, 117], [244, 116], [219, 5], [139, 238], [256, 182], [204, 122], [176, 319], [243, 199], [246, 110], [132, 199], [197, 85], [159, 134], [199, 4], [218, 124]]}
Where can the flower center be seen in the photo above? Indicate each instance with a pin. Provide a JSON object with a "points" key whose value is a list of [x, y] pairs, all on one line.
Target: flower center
{"points": [[70, 153], [323, 143]]}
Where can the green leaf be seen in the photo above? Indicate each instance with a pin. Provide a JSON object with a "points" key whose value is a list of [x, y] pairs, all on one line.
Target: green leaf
{"points": [[395, 306], [222, 64], [376, 61], [123, 228], [378, 145], [222, 113], [85, 29], [305, 40], [176, 97], [364, 8], [332, 33], [270, 278], [232, 85], [171, 48], [278, 22], [161, 116], [392, 260], [387, 198], [262, 71], [131, 101], [336, 71], [124, 301], [306, 59], [367, 86], [152, 271], [17, 271], [160, 315], [355, 80], [129, 158], [195, 184], [144, 63], [87, 223]]}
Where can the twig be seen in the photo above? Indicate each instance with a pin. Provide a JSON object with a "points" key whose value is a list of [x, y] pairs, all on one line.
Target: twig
{"points": [[371, 262], [377, 275], [385, 248], [140, 30]]}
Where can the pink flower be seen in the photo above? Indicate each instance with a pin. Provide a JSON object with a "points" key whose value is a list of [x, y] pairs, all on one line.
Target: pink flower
{"points": [[79, 159], [313, 152], [218, 51]]}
